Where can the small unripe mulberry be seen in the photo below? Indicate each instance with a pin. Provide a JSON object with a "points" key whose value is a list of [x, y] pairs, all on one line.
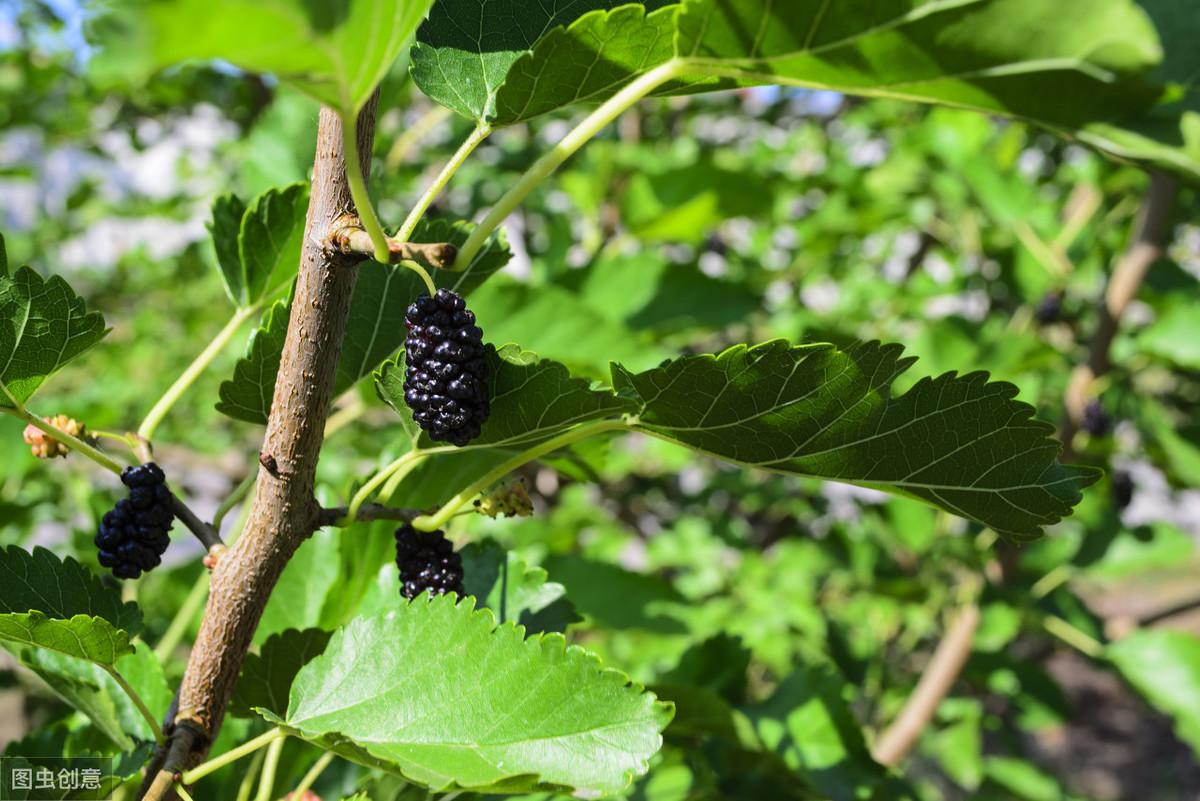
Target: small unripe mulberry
{"points": [[445, 378], [134, 534], [427, 562], [510, 499], [45, 446]]}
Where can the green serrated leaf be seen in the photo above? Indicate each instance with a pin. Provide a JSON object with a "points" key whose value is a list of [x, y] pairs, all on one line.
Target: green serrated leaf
{"points": [[43, 325], [227, 214], [335, 52], [299, 595], [502, 581], [808, 723], [267, 676], [590, 60], [466, 49], [958, 442], [532, 399], [59, 588], [269, 241], [92, 690], [3, 258], [437, 692], [374, 329], [1164, 666], [82, 636]]}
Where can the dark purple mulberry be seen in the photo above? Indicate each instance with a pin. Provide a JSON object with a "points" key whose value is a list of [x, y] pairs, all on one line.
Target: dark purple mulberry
{"points": [[1050, 307], [1095, 420], [427, 562], [445, 379], [134, 534]]}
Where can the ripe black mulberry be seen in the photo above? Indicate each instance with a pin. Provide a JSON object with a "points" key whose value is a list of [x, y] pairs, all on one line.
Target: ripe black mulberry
{"points": [[134, 534], [445, 380], [1096, 420], [427, 562]]}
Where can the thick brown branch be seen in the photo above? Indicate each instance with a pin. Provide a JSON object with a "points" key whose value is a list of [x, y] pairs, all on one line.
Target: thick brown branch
{"points": [[940, 674], [1150, 240], [283, 512], [366, 513]]}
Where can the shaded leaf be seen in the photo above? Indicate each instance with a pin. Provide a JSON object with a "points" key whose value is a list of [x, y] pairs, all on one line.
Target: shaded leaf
{"points": [[501, 581], [43, 325], [267, 676], [404, 691], [258, 248], [957, 442]]}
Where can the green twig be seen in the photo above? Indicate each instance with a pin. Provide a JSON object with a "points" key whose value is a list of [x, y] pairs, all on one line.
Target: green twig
{"points": [[358, 189], [179, 788], [232, 755], [137, 701], [251, 778], [312, 775], [439, 518], [575, 139], [74, 443], [188, 377], [1074, 637], [368, 489], [468, 146], [233, 498], [183, 618], [266, 780]]}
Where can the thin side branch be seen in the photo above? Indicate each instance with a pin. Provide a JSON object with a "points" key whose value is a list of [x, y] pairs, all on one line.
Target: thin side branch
{"points": [[940, 674], [366, 512], [351, 239], [1150, 240], [207, 535]]}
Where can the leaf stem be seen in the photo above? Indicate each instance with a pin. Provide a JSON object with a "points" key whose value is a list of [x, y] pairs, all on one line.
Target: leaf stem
{"points": [[266, 781], [232, 755], [231, 500], [313, 774], [251, 777], [74, 443], [179, 623], [137, 701], [439, 518], [578, 136], [368, 489], [481, 132], [358, 189], [179, 788], [1074, 637], [188, 377], [419, 270]]}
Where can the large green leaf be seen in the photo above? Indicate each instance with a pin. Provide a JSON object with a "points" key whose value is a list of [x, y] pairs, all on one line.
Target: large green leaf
{"points": [[43, 325], [299, 595], [466, 49], [335, 52], [1164, 666], [532, 399], [1067, 63], [439, 693], [807, 722], [58, 605], [258, 248], [374, 330], [92, 690], [959, 442], [267, 676]]}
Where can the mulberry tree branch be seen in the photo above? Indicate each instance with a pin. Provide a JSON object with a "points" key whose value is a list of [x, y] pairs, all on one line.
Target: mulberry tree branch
{"points": [[283, 512]]}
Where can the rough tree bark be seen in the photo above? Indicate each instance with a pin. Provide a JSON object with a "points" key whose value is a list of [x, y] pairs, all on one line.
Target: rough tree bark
{"points": [[284, 511]]}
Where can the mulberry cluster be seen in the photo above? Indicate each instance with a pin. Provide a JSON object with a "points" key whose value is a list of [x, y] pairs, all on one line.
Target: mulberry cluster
{"points": [[45, 446], [445, 383], [427, 561], [135, 533]]}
